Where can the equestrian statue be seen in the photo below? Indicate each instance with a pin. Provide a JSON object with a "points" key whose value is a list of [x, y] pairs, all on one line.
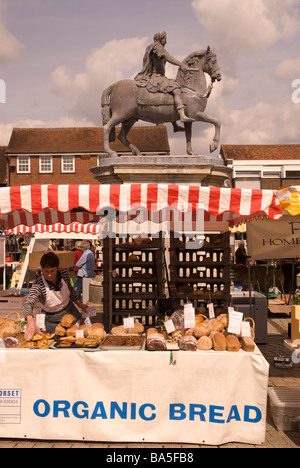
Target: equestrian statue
{"points": [[152, 97]]}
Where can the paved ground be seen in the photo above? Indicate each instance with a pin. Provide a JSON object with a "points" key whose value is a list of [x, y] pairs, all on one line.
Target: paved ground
{"points": [[277, 332]]}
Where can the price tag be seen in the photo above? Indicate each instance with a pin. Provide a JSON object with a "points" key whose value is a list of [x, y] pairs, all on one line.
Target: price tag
{"points": [[169, 326], [189, 316], [40, 321], [211, 310], [245, 329], [89, 312], [88, 322], [79, 334], [128, 322], [235, 321]]}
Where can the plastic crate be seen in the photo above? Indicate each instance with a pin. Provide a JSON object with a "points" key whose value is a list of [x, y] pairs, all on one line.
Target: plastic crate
{"points": [[285, 408]]}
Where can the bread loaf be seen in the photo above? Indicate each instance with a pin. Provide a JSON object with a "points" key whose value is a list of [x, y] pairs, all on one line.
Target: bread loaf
{"points": [[232, 343], [156, 342], [216, 325], [60, 330], [248, 344], [67, 321], [205, 343], [219, 342], [188, 343], [202, 329], [71, 331]]}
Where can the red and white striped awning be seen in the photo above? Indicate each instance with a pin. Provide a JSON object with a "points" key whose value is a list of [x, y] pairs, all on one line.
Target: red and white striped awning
{"points": [[58, 228], [51, 204]]}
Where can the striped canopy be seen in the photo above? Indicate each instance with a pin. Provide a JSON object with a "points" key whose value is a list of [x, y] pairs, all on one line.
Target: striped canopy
{"points": [[66, 204]]}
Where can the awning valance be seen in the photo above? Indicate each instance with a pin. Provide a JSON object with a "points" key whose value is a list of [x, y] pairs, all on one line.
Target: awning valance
{"points": [[50, 204]]}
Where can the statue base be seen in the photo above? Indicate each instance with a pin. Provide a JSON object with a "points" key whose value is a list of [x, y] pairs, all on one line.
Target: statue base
{"points": [[187, 170]]}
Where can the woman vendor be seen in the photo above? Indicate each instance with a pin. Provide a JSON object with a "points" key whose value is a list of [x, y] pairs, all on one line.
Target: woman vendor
{"points": [[54, 291]]}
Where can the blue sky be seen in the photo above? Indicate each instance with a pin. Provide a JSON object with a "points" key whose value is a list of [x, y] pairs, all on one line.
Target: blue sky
{"points": [[57, 56]]}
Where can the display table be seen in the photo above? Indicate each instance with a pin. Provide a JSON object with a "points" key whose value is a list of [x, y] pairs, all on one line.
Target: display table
{"points": [[206, 397]]}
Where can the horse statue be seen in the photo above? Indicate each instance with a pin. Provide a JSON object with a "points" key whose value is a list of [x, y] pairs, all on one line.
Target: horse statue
{"points": [[125, 103]]}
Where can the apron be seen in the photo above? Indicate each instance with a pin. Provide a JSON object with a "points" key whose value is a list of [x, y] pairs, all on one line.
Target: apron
{"points": [[57, 305]]}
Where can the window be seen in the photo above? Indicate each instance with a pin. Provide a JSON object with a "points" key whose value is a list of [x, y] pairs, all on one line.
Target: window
{"points": [[292, 174], [46, 165], [23, 165], [67, 164]]}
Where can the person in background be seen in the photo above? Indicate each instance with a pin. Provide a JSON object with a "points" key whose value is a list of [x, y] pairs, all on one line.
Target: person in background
{"points": [[85, 265], [241, 254], [78, 255]]}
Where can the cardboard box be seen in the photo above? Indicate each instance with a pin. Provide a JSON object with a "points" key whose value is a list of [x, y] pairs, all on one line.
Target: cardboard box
{"points": [[66, 259], [12, 300]]}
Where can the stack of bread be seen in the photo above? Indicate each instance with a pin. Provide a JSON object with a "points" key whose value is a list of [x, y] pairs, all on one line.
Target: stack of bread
{"points": [[67, 329], [213, 334]]}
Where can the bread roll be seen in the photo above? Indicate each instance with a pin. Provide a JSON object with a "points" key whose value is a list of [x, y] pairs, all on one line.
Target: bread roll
{"points": [[60, 330], [67, 321]]}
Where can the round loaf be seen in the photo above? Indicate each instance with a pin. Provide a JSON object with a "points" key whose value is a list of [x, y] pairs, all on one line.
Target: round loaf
{"points": [[205, 343]]}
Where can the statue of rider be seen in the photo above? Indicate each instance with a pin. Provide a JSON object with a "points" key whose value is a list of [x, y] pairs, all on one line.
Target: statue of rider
{"points": [[152, 77]]}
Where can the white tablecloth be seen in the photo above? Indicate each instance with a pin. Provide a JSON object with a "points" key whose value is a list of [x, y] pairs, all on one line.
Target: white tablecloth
{"points": [[134, 396]]}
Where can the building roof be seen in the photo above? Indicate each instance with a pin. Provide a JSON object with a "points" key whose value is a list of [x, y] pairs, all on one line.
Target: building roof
{"points": [[3, 162], [261, 152], [84, 140]]}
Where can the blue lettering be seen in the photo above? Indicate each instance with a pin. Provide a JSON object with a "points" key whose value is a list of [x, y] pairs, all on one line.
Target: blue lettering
{"points": [[197, 410], [233, 414], [99, 411], [213, 414], [258, 415], [85, 412], [133, 410], [114, 407], [36, 408], [177, 409], [142, 412], [62, 406]]}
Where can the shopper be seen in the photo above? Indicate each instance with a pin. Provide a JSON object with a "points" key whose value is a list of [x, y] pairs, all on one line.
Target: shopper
{"points": [[241, 254], [85, 265]]}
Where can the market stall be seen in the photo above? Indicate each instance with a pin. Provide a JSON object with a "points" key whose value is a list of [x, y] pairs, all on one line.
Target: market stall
{"points": [[158, 397]]}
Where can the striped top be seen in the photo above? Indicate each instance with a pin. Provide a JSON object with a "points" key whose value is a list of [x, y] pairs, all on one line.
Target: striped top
{"points": [[38, 291]]}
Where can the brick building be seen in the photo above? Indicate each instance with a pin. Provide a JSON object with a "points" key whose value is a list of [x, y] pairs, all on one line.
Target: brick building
{"points": [[3, 167], [263, 166], [65, 155]]}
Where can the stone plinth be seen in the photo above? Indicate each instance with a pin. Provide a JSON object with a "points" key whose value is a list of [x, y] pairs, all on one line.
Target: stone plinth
{"points": [[186, 170]]}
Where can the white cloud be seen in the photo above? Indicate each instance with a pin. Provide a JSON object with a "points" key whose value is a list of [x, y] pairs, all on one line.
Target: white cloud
{"points": [[116, 60], [288, 69], [10, 46], [240, 26]]}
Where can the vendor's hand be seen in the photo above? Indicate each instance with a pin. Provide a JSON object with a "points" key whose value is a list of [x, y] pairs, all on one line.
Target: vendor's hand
{"points": [[81, 305], [31, 329]]}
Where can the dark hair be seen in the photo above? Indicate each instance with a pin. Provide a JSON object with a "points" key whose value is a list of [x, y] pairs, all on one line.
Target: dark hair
{"points": [[49, 260]]}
